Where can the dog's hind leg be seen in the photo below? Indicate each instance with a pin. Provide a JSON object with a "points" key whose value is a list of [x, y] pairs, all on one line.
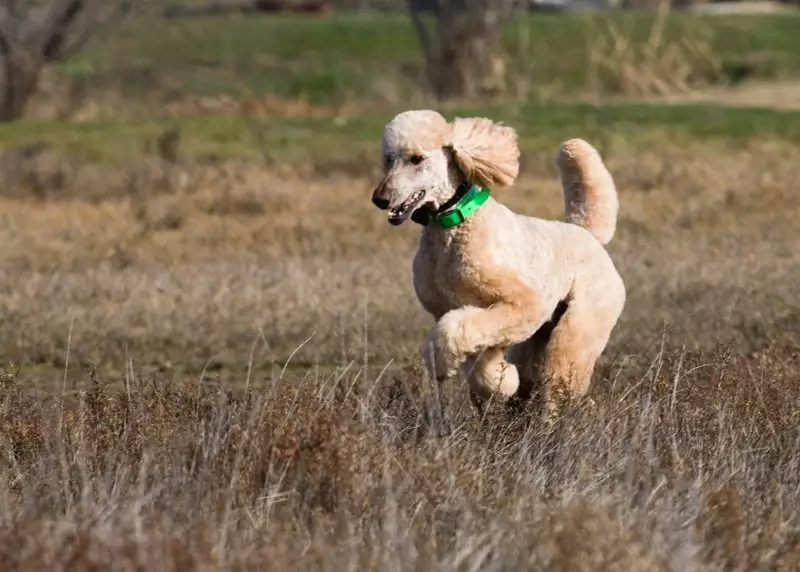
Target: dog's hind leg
{"points": [[577, 340], [530, 356]]}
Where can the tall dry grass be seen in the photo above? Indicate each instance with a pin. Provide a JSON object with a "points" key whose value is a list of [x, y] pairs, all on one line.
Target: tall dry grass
{"points": [[178, 267], [661, 65], [688, 462], [151, 420]]}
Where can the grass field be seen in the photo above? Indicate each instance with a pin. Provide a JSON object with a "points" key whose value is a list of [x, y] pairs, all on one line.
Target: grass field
{"points": [[373, 60], [347, 142], [208, 338]]}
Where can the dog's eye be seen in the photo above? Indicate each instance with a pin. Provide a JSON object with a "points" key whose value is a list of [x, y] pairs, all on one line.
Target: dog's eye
{"points": [[415, 159], [387, 161]]}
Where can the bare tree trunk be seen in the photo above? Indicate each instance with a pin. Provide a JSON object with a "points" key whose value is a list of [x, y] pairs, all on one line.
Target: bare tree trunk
{"points": [[16, 94], [462, 51], [42, 33], [17, 86]]}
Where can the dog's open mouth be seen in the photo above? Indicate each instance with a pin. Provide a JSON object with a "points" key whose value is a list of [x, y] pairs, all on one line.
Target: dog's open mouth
{"points": [[400, 214]]}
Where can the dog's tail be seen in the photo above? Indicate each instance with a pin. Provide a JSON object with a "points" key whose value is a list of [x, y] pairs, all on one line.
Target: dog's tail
{"points": [[590, 197]]}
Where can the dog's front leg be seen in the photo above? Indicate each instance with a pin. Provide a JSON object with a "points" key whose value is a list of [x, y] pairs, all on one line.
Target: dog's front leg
{"points": [[438, 373], [440, 353], [469, 330]]}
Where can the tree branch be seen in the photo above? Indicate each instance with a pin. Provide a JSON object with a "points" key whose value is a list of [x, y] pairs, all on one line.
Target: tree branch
{"points": [[62, 16], [33, 33], [93, 28], [9, 24], [67, 25]]}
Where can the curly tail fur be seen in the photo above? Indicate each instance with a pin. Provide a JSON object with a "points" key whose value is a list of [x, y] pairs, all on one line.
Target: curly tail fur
{"points": [[590, 197]]}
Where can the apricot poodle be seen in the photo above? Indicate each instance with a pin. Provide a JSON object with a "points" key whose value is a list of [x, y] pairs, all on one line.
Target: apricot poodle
{"points": [[520, 303]]}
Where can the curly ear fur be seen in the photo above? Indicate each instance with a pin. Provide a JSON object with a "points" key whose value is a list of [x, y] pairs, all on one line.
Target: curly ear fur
{"points": [[486, 152]]}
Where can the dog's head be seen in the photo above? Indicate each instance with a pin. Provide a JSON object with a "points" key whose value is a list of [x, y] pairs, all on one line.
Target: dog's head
{"points": [[426, 160]]}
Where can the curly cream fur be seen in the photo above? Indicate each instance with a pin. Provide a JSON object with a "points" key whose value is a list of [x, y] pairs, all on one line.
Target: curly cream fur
{"points": [[519, 301], [590, 197], [413, 131], [487, 153]]}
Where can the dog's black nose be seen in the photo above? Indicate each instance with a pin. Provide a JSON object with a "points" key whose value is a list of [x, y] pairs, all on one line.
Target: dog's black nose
{"points": [[379, 202]]}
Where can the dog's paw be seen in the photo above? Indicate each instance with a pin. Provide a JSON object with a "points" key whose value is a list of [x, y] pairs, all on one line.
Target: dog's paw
{"points": [[440, 358]]}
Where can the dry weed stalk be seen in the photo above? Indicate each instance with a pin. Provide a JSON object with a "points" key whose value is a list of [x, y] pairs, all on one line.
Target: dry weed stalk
{"points": [[661, 67]]}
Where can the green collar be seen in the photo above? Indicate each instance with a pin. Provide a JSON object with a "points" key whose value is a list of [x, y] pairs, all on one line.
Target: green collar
{"points": [[467, 206]]}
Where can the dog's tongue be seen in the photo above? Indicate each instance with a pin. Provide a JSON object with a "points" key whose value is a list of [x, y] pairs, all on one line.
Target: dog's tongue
{"points": [[401, 213]]}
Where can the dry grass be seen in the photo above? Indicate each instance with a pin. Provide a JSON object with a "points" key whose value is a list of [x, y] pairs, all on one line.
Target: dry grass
{"points": [[688, 463], [203, 262], [151, 424], [661, 65]]}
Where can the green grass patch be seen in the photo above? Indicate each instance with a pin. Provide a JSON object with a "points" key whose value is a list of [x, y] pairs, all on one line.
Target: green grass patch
{"points": [[325, 59], [541, 128]]}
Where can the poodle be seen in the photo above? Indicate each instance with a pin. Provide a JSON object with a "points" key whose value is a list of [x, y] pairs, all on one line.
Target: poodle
{"points": [[519, 302]]}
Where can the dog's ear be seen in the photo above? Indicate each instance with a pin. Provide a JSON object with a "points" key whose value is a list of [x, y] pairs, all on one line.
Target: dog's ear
{"points": [[486, 152]]}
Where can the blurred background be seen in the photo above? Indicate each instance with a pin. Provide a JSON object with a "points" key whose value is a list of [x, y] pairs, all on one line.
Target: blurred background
{"points": [[209, 337]]}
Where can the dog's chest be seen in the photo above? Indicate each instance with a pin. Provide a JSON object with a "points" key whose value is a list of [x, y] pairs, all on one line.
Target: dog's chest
{"points": [[459, 277], [447, 276]]}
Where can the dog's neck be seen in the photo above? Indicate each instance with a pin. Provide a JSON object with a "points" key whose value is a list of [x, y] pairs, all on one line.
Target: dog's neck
{"points": [[476, 227]]}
